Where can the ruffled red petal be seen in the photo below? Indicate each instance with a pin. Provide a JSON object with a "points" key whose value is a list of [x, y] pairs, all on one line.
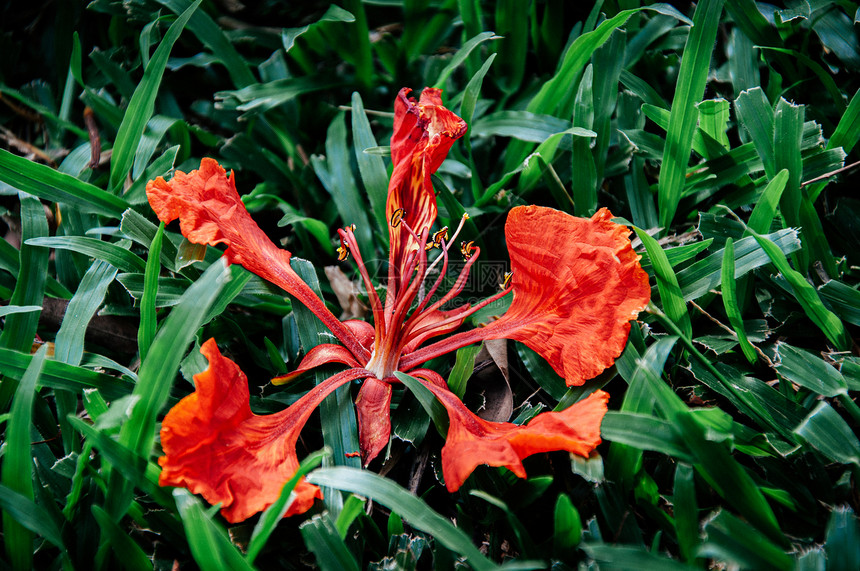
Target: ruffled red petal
{"points": [[423, 135], [210, 212], [215, 446], [577, 284], [373, 408], [472, 441]]}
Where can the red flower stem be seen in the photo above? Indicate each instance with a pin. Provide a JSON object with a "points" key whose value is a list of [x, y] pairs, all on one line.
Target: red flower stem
{"points": [[318, 308], [436, 284], [459, 315], [375, 303], [459, 284], [450, 344]]}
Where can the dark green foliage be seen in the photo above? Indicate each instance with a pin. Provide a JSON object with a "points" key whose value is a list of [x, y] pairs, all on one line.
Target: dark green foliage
{"points": [[723, 133]]}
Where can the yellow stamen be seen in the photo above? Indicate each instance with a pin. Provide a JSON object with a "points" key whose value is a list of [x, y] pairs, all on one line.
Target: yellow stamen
{"points": [[466, 248], [507, 280], [396, 217]]}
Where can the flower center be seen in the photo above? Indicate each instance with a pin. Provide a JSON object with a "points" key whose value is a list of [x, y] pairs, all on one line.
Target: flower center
{"points": [[398, 328]]}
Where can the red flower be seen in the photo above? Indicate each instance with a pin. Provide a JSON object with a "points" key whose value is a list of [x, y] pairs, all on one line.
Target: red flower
{"points": [[576, 285]]}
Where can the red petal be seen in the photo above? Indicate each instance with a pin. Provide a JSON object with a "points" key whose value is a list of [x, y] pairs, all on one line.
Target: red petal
{"points": [[472, 441], [215, 446], [319, 355], [577, 284], [210, 212], [373, 406], [423, 135]]}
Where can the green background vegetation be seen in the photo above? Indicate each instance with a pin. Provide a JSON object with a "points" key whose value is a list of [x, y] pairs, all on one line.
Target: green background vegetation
{"points": [[718, 130]]}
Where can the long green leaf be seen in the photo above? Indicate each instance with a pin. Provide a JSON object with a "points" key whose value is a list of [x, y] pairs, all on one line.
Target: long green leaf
{"points": [[828, 432], [146, 331], [210, 546], [324, 541], [142, 104], [730, 301], [667, 283], [49, 184], [115, 255], [808, 297], [20, 328], [413, 509], [125, 548], [370, 167], [69, 343], [17, 469], [689, 89]]}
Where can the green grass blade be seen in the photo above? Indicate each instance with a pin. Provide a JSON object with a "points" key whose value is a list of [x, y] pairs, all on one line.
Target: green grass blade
{"points": [[69, 343], [58, 375], [756, 115], [124, 547], [370, 167], [274, 513], [142, 474], [17, 470], [689, 89], [461, 56], [324, 541], [113, 254], [337, 413], [810, 371], [25, 512], [159, 370], [732, 540], [686, 512], [210, 545], [413, 509], [807, 297], [146, 331], [212, 36], [336, 177], [765, 208], [463, 368], [667, 283], [142, 104], [730, 301], [20, 328], [828, 432]]}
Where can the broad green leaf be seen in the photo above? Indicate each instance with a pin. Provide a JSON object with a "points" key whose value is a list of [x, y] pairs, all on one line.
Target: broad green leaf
{"points": [[643, 432], [826, 431], [699, 278], [142, 103], [10, 309], [756, 115], [842, 544], [809, 371], [731, 540], [523, 125], [625, 557], [413, 509], [136, 227]]}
